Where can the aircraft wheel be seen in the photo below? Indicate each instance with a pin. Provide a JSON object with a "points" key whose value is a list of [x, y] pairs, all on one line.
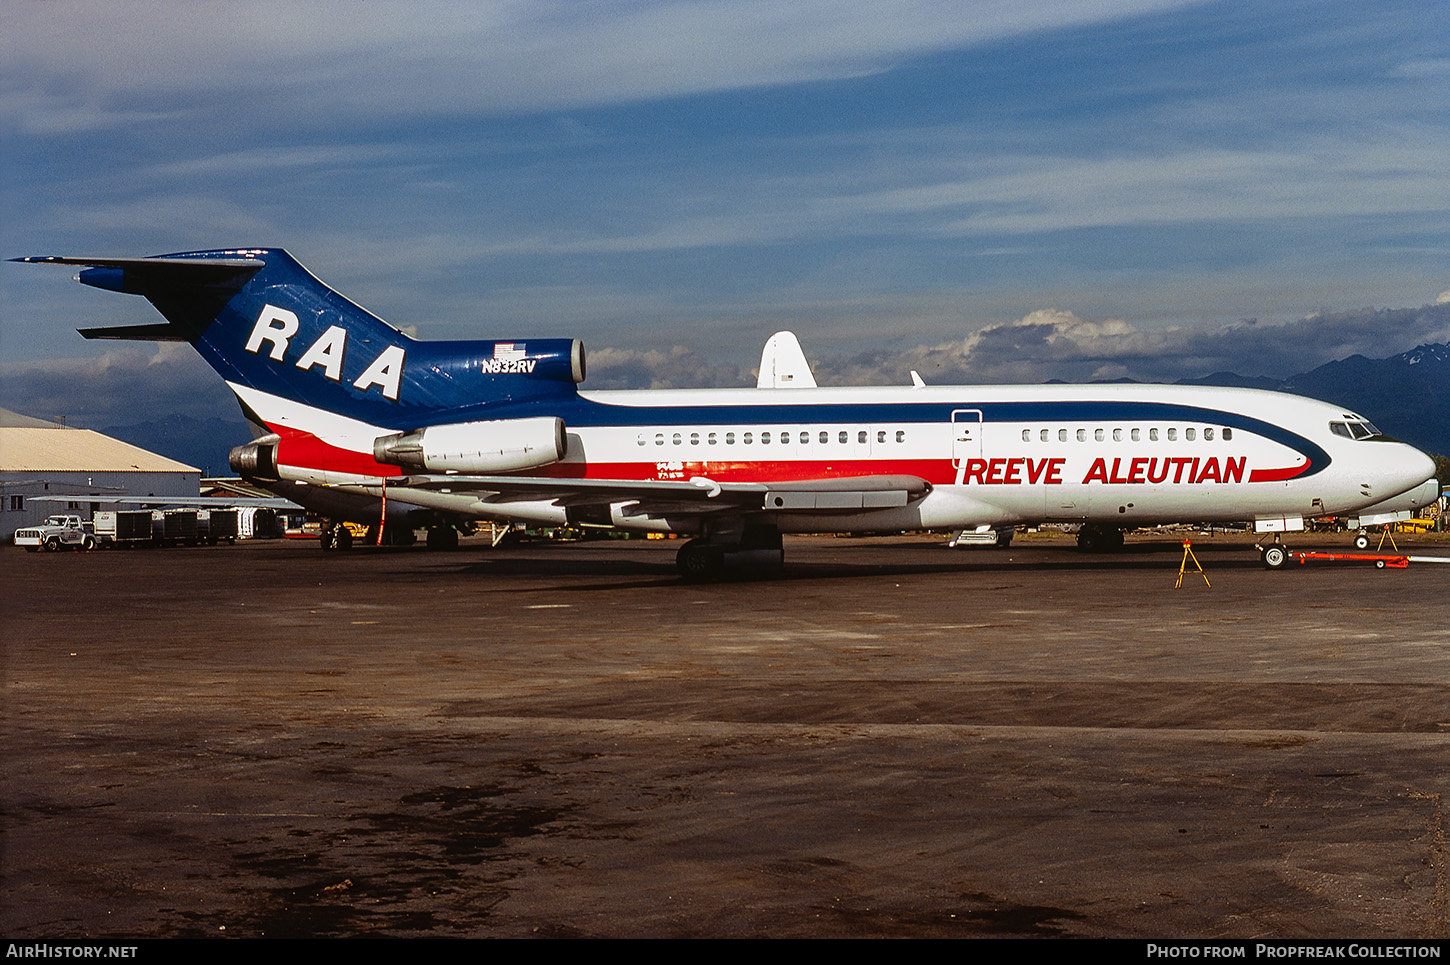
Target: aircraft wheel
{"points": [[1275, 557], [443, 538], [1100, 539], [698, 562], [1361, 542]]}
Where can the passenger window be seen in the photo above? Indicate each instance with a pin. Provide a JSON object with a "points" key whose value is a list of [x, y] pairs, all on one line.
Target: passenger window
{"points": [[1061, 435], [1026, 435], [843, 437], [1208, 435], [1152, 435], [710, 438], [640, 439], [694, 438], [729, 438], [1082, 435], [746, 438], [880, 435], [1135, 433], [900, 435], [677, 439], [1188, 434], [765, 438], [1117, 435], [659, 438], [824, 438], [805, 438], [861, 437], [1172, 435], [1228, 434], [1043, 435], [1098, 435]]}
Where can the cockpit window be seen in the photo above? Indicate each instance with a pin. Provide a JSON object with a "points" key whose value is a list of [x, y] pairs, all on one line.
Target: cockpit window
{"points": [[1354, 430]]}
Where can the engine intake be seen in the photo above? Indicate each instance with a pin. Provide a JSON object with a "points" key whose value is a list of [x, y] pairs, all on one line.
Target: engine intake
{"points": [[500, 445]]}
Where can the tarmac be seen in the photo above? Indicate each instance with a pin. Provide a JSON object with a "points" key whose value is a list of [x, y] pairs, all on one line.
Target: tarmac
{"points": [[891, 738]]}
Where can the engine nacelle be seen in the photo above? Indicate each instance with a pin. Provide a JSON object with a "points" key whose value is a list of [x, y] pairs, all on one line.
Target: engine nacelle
{"points": [[257, 460], [500, 445]]}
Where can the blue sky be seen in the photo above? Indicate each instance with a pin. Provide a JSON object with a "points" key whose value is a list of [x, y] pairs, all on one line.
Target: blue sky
{"points": [[994, 191]]}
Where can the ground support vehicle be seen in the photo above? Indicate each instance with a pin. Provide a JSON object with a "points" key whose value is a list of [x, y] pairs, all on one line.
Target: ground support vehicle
{"points": [[57, 533]]}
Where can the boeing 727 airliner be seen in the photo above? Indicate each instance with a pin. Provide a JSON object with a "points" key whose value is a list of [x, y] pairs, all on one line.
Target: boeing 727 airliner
{"points": [[357, 421]]}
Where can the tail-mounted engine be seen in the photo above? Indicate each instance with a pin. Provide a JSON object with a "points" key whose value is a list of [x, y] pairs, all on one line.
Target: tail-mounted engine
{"points": [[257, 460], [501, 445]]}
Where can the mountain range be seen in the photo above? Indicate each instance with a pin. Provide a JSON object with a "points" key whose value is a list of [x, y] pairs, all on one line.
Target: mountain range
{"points": [[1407, 396]]}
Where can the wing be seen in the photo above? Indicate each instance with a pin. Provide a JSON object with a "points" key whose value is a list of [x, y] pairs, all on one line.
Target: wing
{"points": [[191, 502], [697, 495]]}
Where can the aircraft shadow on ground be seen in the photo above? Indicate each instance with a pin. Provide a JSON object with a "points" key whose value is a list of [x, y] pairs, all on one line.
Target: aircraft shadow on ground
{"points": [[660, 571]]}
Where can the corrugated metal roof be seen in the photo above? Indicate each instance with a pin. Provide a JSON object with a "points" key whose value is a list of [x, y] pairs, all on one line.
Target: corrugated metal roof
{"points": [[24, 449]]}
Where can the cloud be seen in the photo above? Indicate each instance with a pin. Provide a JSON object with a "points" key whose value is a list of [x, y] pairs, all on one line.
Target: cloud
{"points": [[83, 61], [676, 367], [132, 384], [1052, 344], [128, 384]]}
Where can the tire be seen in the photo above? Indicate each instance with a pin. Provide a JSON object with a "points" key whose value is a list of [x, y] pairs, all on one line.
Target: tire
{"points": [[697, 562], [1275, 557], [1379, 564], [88, 544], [342, 539], [442, 538], [52, 545], [1361, 542]]}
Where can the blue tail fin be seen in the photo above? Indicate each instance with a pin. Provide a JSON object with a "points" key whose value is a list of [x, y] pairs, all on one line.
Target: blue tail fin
{"points": [[263, 322]]}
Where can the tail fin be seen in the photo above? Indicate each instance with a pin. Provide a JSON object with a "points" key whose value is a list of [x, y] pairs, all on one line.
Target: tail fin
{"points": [[266, 325]]}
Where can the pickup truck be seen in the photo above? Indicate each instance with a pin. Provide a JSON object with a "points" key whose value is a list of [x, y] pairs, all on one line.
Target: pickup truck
{"points": [[57, 532]]}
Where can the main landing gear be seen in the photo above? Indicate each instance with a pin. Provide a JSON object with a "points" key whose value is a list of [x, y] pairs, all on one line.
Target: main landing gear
{"points": [[335, 536], [1093, 538], [707, 557]]}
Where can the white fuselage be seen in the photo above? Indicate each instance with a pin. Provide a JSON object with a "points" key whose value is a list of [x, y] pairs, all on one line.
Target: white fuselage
{"points": [[1113, 454]]}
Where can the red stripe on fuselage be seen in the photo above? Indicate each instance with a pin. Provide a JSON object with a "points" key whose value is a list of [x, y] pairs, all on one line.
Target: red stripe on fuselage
{"points": [[938, 471], [1276, 475], [303, 450]]}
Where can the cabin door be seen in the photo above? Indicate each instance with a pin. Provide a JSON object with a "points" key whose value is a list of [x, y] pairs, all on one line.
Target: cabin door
{"points": [[966, 439]]}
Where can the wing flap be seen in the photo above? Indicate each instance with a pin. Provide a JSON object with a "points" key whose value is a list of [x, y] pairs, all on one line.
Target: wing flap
{"points": [[700, 494]]}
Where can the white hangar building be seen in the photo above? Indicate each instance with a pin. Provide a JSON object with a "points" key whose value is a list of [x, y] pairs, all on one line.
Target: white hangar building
{"points": [[46, 459]]}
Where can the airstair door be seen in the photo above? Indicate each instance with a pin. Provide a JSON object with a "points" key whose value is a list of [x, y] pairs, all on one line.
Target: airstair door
{"points": [[966, 438]]}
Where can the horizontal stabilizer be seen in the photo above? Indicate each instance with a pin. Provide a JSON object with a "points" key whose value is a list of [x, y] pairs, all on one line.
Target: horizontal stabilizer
{"points": [[159, 332], [204, 281]]}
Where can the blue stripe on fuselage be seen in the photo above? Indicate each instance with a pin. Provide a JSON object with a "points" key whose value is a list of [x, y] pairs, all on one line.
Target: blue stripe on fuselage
{"points": [[578, 412]]}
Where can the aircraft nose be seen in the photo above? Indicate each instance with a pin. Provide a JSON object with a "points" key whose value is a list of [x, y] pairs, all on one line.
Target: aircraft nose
{"points": [[1407, 470]]}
